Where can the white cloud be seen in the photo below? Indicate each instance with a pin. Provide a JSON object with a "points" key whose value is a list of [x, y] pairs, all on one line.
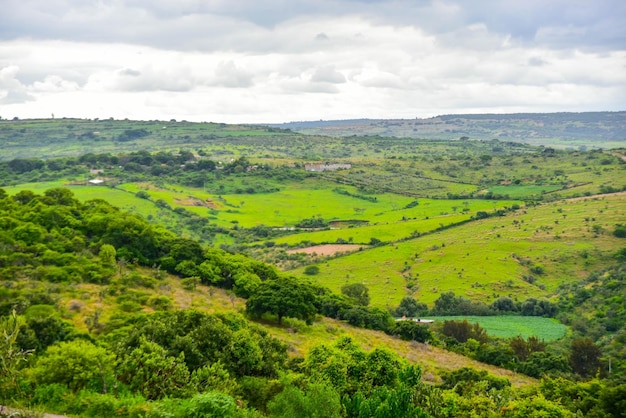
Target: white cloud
{"points": [[227, 74], [279, 60], [327, 74], [12, 91]]}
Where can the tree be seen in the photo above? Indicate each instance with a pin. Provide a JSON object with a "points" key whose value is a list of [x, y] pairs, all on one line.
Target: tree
{"points": [[317, 401], [107, 255], [283, 297], [504, 304], [584, 357], [620, 231], [311, 270], [463, 331], [11, 355], [523, 349], [411, 308], [358, 292], [74, 364], [150, 371], [410, 330]]}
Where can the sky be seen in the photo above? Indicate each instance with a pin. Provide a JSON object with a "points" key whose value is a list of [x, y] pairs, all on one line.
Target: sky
{"points": [[272, 61]]}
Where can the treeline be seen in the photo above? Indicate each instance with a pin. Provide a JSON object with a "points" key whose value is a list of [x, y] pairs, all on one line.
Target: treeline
{"points": [[183, 167], [448, 304]]}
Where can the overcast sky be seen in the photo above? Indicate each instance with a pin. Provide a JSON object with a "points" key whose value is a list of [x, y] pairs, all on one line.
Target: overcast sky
{"points": [[289, 60]]}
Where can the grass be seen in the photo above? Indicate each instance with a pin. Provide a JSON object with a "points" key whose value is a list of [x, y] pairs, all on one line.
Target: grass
{"points": [[546, 329], [523, 192], [80, 301], [490, 258]]}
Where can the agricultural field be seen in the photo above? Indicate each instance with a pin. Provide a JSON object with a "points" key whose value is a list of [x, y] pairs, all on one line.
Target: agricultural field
{"points": [[527, 253], [507, 326]]}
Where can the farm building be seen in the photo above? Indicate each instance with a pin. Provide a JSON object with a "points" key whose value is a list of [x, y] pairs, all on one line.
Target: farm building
{"points": [[327, 167]]}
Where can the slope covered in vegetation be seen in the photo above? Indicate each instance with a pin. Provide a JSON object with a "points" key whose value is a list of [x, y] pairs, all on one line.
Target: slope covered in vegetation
{"points": [[129, 361]]}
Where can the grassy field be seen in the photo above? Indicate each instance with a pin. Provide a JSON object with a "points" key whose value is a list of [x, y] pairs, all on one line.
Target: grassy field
{"points": [[396, 224], [81, 301], [546, 329], [555, 243], [515, 191]]}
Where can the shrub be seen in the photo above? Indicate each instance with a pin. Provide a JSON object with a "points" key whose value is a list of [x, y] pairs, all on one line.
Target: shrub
{"points": [[311, 270], [411, 330], [160, 303], [620, 231]]}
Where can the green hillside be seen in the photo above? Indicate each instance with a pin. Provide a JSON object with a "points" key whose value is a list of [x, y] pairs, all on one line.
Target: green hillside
{"points": [[527, 253], [212, 252]]}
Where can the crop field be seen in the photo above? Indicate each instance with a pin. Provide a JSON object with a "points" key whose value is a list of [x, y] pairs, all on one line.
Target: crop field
{"points": [[528, 253], [508, 326]]}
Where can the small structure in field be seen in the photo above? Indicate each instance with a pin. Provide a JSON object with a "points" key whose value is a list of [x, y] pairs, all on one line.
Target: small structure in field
{"points": [[327, 167], [419, 320]]}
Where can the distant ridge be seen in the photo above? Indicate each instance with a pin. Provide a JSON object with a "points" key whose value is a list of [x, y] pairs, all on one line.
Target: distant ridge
{"points": [[563, 129]]}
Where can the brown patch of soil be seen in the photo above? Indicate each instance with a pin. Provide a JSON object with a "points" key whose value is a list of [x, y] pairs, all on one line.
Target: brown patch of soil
{"points": [[327, 249], [194, 201]]}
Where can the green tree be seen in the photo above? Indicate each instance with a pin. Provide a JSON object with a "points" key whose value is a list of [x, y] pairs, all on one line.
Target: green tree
{"points": [[149, 370], [245, 284], [107, 255], [318, 400], [535, 406], [584, 357], [524, 348], [11, 355], [410, 330], [463, 331], [311, 270], [411, 308], [620, 231], [283, 297], [357, 292], [75, 364]]}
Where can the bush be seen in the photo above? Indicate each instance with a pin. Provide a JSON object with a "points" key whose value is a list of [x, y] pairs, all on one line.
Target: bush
{"points": [[411, 330], [160, 303], [74, 364], [620, 231], [410, 308], [463, 379], [311, 270]]}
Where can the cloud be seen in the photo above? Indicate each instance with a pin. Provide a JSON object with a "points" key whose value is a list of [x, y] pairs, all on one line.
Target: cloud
{"points": [[327, 74], [12, 91], [279, 60], [178, 79], [227, 74]]}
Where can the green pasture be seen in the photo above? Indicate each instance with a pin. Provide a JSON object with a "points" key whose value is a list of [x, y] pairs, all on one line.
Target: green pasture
{"points": [[116, 197], [397, 224], [386, 232], [554, 243], [546, 329], [523, 192]]}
